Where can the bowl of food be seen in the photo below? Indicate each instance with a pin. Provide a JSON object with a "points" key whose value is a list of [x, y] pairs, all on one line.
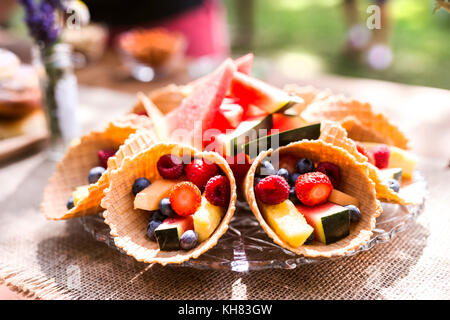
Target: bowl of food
{"points": [[150, 53]]}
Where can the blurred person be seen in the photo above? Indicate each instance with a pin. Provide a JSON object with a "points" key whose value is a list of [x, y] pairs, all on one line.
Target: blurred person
{"points": [[202, 22], [373, 42]]}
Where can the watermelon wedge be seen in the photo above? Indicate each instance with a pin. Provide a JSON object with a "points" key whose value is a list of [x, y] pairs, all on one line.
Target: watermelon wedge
{"points": [[231, 143], [244, 63], [229, 115], [197, 112], [252, 91], [284, 122]]}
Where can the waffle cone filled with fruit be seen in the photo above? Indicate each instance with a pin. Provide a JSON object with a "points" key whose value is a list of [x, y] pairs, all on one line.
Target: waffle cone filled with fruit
{"points": [[334, 133], [323, 205], [169, 203], [76, 187]]}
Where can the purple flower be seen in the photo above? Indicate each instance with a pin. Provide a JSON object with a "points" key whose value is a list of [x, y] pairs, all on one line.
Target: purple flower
{"points": [[41, 19]]}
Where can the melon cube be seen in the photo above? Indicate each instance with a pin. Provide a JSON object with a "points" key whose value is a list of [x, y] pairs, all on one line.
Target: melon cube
{"points": [[287, 222]]}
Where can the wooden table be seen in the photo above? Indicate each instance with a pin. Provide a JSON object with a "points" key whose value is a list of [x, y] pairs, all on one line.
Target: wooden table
{"points": [[423, 113]]}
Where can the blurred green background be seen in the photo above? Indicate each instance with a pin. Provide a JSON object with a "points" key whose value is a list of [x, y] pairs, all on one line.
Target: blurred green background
{"points": [[313, 33], [311, 36]]}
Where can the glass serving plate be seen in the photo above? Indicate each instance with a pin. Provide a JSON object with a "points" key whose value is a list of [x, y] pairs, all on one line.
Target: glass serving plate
{"points": [[245, 246]]}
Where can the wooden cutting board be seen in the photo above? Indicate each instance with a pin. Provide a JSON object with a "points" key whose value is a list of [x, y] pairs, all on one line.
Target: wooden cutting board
{"points": [[11, 147]]}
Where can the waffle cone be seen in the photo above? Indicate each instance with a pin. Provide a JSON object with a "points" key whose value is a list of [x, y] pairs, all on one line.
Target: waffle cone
{"points": [[335, 134], [128, 226], [309, 94], [359, 119], [73, 169], [355, 182], [165, 99]]}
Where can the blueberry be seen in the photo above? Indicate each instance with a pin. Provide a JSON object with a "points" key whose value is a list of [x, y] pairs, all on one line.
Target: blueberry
{"points": [[166, 208], [139, 185], [70, 203], [355, 214], [95, 174], [305, 165], [151, 229], [257, 180], [158, 216], [188, 240], [394, 185], [310, 238], [266, 169], [282, 172], [294, 178], [293, 196]]}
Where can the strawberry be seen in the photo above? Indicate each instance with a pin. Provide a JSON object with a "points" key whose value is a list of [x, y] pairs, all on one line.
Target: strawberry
{"points": [[313, 188], [363, 150], [185, 198], [217, 191], [200, 171], [381, 154], [272, 190], [104, 155], [239, 164]]}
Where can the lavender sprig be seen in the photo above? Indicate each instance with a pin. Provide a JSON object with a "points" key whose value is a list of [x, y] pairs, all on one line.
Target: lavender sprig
{"points": [[41, 20]]}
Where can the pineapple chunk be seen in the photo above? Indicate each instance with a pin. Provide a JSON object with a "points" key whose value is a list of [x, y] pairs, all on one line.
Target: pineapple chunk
{"points": [[342, 199], [206, 219], [399, 158], [287, 222], [148, 199], [80, 193], [403, 159]]}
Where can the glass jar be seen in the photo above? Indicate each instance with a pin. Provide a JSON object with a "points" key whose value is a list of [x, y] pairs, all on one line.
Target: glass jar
{"points": [[60, 98]]}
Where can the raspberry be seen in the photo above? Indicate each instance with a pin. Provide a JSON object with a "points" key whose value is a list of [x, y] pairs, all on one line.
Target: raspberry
{"points": [[185, 198], [332, 171], [381, 155], [217, 191], [170, 166], [104, 155], [199, 172], [239, 164], [313, 188], [363, 150], [272, 190]]}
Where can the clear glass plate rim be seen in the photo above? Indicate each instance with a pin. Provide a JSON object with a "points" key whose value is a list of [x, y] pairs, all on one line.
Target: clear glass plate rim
{"points": [[295, 261]]}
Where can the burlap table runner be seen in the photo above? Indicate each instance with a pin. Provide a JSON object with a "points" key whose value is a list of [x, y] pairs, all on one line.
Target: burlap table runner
{"points": [[59, 260]]}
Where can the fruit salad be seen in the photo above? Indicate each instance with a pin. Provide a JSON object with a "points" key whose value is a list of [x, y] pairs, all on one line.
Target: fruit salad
{"points": [[302, 202], [187, 204], [171, 192]]}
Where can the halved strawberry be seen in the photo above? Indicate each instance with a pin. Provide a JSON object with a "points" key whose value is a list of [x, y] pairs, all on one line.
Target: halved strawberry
{"points": [[313, 188], [185, 198]]}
